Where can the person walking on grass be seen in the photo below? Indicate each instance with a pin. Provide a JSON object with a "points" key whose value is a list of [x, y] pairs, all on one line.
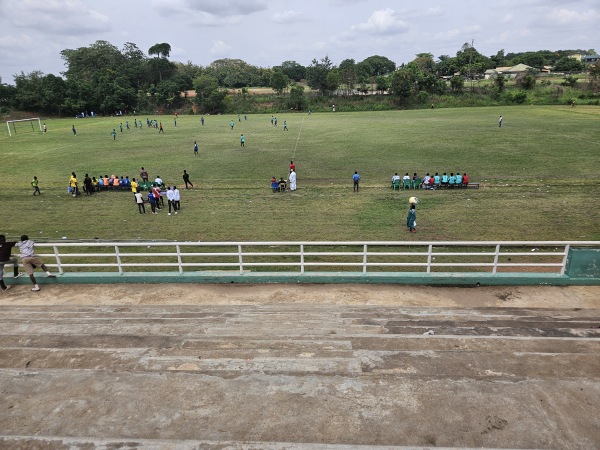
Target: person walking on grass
{"points": [[285, 128], [74, 130], [6, 258], [411, 219], [242, 140], [355, 179], [231, 124], [35, 184], [29, 260], [160, 128], [139, 199], [186, 180], [195, 148], [500, 121], [113, 133]]}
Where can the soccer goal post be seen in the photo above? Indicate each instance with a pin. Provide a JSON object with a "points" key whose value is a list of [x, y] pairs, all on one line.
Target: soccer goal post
{"points": [[14, 122]]}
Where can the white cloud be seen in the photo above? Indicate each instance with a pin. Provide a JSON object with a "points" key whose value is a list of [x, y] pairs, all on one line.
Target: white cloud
{"points": [[288, 17], [70, 17], [228, 7], [220, 48], [384, 21], [567, 17]]}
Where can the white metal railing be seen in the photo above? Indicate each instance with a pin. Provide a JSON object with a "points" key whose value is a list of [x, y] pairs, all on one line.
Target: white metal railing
{"points": [[302, 257]]}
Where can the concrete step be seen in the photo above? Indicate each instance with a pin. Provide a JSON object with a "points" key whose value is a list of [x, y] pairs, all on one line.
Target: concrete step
{"points": [[296, 377]]}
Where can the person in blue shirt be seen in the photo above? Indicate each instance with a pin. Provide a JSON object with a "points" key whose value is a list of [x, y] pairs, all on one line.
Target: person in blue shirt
{"points": [[451, 180], [355, 179], [121, 127], [100, 182], [444, 180], [113, 133], [242, 140], [458, 179], [436, 180], [195, 149]]}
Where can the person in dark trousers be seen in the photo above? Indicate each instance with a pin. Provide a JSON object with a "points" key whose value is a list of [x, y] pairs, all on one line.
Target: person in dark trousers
{"points": [[186, 179], [411, 219], [35, 184], [195, 148], [6, 258], [139, 199], [355, 179]]}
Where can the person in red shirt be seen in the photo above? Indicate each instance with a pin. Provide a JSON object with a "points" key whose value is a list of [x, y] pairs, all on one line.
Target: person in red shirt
{"points": [[292, 166], [156, 195], [465, 180]]}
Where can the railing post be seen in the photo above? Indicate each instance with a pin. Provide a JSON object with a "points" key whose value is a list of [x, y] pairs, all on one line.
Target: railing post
{"points": [[118, 259], [301, 259], [365, 258], [496, 256], [179, 259], [57, 256], [429, 251], [564, 261], [240, 259]]}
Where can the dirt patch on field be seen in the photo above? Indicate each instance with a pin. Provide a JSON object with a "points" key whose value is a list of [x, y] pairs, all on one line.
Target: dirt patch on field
{"points": [[190, 294]]}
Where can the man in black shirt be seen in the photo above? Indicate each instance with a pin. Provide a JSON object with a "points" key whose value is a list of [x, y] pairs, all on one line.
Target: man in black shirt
{"points": [[5, 258]]}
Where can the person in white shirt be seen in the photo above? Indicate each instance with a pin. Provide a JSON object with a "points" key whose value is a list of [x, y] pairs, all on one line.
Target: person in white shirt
{"points": [[139, 199], [176, 199], [29, 260], [159, 181], [170, 200], [292, 180]]}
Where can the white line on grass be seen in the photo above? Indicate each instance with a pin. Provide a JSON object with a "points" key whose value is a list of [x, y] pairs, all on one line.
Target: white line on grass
{"points": [[297, 139]]}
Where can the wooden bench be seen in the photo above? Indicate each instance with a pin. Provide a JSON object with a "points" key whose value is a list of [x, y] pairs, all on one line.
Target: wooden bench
{"points": [[472, 186]]}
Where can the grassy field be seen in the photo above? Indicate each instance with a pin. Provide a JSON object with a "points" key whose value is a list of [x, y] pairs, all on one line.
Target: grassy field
{"points": [[538, 176]]}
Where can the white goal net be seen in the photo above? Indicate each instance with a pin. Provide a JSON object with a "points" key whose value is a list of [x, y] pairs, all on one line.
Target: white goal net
{"points": [[23, 125]]}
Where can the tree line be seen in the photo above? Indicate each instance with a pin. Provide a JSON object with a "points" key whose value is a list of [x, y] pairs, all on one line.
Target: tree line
{"points": [[105, 79]]}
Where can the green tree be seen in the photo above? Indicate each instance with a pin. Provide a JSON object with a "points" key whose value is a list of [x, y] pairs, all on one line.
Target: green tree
{"points": [[333, 80], [567, 64], [379, 65], [594, 73], [457, 83], [292, 69], [316, 74], [53, 94], [402, 85], [296, 100], [279, 81], [162, 51], [29, 90], [348, 74], [209, 97], [500, 82], [383, 84]]}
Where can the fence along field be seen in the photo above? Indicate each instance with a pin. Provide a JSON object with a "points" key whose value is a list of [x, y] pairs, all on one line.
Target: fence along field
{"points": [[536, 173]]}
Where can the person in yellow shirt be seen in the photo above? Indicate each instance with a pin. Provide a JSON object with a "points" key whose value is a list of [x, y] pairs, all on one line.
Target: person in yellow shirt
{"points": [[134, 189], [73, 185]]}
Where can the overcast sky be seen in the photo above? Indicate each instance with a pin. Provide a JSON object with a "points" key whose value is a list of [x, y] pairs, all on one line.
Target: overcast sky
{"points": [[266, 32]]}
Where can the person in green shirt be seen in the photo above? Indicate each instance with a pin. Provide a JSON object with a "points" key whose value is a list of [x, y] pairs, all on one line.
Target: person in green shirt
{"points": [[36, 186]]}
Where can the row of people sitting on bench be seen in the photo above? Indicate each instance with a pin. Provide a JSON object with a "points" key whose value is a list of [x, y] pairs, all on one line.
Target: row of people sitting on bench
{"points": [[431, 181], [123, 183]]}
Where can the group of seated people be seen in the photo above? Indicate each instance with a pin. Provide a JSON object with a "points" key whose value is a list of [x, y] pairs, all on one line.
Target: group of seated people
{"points": [[113, 182], [436, 181], [278, 185]]}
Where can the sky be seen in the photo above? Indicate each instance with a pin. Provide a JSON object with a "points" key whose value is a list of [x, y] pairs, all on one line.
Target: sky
{"points": [[266, 33]]}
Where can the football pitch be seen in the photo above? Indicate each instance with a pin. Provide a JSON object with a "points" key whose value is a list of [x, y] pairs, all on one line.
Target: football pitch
{"points": [[538, 176]]}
